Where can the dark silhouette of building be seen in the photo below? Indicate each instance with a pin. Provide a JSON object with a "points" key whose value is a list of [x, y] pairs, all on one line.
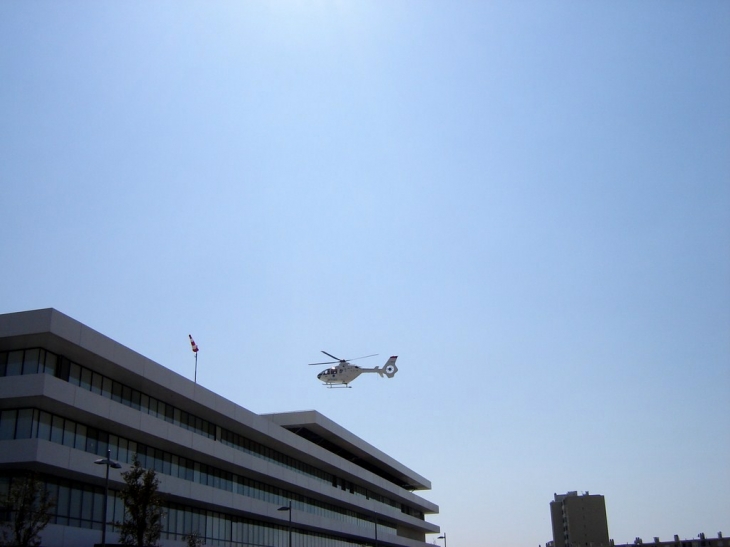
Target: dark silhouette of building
{"points": [[579, 520], [700, 541]]}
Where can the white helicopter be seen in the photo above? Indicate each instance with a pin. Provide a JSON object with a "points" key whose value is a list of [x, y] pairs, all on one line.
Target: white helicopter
{"points": [[345, 372]]}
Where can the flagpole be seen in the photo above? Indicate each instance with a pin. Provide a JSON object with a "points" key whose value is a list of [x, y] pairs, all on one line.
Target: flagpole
{"points": [[195, 349]]}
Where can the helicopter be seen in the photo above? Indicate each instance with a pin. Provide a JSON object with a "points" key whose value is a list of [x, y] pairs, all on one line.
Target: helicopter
{"points": [[345, 372]]}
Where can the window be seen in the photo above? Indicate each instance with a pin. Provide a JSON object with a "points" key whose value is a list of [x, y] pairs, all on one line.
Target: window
{"points": [[64, 494], [50, 366], [136, 399], [80, 438], [132, 449], [69, 433], [145, 403], [44, 426], [91, 439], [172, 522], [75, 507], [63, 369], [153, 407], [166, 463], [121, 448], [97, 509], [174, 465], [117, 392], [15, 363], [85, 381], [97, 381], [103, 443], [87, 506], [25, 423], [106, 388], [169, 413], [74, 375], [7, 424], [57, 430], [126, 395], [30, 363]]}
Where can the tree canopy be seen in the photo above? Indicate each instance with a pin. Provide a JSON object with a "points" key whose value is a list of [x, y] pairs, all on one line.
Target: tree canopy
{"points": [[142, 525], [27, 506]]}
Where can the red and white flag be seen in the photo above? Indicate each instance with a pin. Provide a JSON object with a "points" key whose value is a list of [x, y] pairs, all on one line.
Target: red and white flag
{"points": [[193, 344]]}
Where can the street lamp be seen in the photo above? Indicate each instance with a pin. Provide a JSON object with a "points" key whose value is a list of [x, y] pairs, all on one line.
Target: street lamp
{"points": [[444, 538], [116, 465], [286, 508]]}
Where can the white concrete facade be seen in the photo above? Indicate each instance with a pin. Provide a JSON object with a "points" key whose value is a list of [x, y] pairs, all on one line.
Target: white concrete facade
{"points": [[67, 393]]}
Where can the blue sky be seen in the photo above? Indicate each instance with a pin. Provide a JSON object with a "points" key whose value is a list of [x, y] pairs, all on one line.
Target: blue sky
{"points": [[528, 202]]}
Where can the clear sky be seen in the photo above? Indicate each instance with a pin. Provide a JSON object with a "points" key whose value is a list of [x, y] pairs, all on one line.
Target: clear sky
{"points": [[527, 202]]}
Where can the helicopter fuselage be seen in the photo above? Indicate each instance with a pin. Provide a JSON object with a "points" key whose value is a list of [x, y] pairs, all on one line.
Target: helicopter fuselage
{"points": [[344, 372], [340, 374]]}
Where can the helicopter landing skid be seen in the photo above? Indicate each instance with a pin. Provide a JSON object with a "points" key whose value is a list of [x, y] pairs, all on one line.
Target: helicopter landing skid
{"points": [[331, 386]]}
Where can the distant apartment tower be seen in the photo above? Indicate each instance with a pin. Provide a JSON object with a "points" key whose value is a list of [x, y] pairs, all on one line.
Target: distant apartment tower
{"points": [[579, 521]]}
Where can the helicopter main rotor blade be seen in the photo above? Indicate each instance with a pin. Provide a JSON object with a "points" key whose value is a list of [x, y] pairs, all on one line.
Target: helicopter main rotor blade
{"points": [[363, 357], [341, 360]]}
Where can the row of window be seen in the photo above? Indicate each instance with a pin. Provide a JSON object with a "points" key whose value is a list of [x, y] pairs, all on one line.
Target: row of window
{"points": [[41, 361], [32, 423], [81, 505]]}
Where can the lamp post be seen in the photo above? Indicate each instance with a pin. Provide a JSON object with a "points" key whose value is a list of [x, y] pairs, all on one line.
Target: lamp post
{"points": [[444, 538], [116, 465], [287, 508]]}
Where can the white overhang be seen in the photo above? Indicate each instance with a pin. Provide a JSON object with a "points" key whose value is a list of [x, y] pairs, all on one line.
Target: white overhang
{"points": [[319, 429]]}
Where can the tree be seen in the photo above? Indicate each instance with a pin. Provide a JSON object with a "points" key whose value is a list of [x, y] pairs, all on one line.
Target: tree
{"points": [[143, 514], [193, 539], [28, 506]]}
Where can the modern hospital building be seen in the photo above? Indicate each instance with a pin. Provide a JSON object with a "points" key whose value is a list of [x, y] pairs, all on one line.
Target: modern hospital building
{"points": [[68, 394]]}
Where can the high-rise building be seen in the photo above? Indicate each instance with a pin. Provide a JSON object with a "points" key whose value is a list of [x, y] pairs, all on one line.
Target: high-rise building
{"points": [[70, 396], [579, 520]]}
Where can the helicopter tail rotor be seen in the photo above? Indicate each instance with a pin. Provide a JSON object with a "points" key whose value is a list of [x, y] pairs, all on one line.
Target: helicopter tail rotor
{"points": [[389, 369]]}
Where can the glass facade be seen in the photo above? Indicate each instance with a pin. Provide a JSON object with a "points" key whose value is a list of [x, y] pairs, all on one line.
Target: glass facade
{"points": [[32, 423], [81, 505], [41, 361]]}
